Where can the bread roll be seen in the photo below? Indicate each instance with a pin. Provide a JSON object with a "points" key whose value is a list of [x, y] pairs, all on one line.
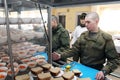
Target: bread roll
{"points": [[44, 76], [46, 67], [68, 75], [76, 72], [55, 71], [60, 78], [22, 77], [83, 79], [36, 70]]}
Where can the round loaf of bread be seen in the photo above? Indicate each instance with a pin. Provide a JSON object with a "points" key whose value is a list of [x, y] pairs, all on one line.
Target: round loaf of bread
{"points": [[44, 76], [68, 75], [36, 70], [55, 71]]}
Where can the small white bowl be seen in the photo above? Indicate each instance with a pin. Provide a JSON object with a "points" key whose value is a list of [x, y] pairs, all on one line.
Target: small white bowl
{"points": [[2, 64], [41, 61], [32, 51], [3, 69], [22, 67], [15, 65], [33, 58], [5, 59], [3, 75], [9, 72], [22, 53], [26, 60], [31, 64], [41, 49]]}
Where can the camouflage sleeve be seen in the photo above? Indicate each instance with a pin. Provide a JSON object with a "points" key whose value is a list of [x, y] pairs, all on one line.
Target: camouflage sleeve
{"points": [[64, 41], [112, 57], [72, 51]]}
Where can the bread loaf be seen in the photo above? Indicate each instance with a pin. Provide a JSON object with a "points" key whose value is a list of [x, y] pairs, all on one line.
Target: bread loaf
{"points": [[22, 77], [76, 72], [44, 76], [83, 79], [68, 75], [36, 70], [60, 78], [46, 67], [55, 71]]}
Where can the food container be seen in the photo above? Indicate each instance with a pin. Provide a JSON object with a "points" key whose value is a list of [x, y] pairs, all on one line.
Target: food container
{"points": [[33, 58], [3, 69], [5, 59], [3, 40], [41, 49], [22, 53], [15, 65], [9, 72], [41, 61], [32, 51], [2, 64], [15, 37], [39, 34], [31, 64], [22, 67], [3, 75], [26, 60]]}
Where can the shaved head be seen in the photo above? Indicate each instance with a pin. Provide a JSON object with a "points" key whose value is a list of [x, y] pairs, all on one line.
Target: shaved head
{"points": [[93, 16], [91, 21]]}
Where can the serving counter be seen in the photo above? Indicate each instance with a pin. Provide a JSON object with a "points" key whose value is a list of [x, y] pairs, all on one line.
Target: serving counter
{"points": [[86, 72]]}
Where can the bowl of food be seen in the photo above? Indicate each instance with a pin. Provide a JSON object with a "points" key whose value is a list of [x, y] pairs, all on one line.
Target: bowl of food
{"points": [[3, 75], [26, 60], [32, 51], [9, 72], [41, 49], [41, 61], [5, 59], [3, 69], [2, 64], [15, 64], [33, 58], [22, 67], [31, 64], [22, 53], [3, 39]]}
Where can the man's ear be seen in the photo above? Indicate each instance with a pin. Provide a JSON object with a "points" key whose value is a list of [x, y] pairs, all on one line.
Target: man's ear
{"points": [[97, 21]]}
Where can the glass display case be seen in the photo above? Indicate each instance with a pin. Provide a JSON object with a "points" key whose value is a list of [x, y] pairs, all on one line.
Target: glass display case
{"points": [[24, 38]]}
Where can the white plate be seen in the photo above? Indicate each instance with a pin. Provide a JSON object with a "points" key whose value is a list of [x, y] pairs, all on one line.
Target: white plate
{"points": [[81, 74], [75, 77], [60, 74], [31, 74], [31, 77]]}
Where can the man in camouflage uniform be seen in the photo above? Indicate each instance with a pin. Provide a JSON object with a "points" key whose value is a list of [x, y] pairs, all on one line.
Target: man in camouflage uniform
{"points": [[60, 36], [94, 47]]}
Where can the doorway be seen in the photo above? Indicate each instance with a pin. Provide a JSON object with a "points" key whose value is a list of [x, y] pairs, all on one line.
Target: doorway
{"points": [[62, 19]]}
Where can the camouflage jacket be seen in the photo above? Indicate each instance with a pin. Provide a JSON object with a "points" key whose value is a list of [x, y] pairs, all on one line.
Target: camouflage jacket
{"points": [[60, 39], [94, 51]]}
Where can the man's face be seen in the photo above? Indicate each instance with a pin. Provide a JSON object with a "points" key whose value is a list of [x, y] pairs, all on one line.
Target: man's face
{"points": [[90, 24], [53, 23], [82, 21]]}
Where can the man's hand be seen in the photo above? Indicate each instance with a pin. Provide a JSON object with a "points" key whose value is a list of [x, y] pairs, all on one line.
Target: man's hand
{"points": [[100, 76], [56, 56]]}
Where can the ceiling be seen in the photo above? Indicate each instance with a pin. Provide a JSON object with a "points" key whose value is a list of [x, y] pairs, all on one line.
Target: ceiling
{"points": [[18, 5], [58, 3]]}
